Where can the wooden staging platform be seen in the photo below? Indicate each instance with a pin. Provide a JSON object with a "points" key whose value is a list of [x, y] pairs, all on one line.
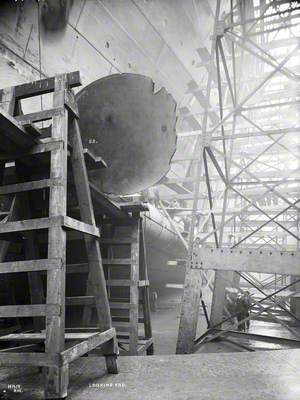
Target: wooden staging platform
{"points": [[271, 375]]}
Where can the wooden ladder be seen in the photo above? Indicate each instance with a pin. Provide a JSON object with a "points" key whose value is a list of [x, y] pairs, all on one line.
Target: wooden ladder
{"points": [[127, 281], [23, 143]]}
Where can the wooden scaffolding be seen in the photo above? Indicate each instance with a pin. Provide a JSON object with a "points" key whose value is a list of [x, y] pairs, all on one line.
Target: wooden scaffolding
{"points": [[38, 185]]}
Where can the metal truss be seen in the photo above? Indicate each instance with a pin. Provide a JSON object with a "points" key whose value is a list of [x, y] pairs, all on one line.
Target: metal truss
{"points": [[240, 186]]}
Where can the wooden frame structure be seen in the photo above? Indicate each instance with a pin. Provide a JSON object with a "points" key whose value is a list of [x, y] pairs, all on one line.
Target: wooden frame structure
{"points": [[125, 267], [134, 303], [27, 145]]}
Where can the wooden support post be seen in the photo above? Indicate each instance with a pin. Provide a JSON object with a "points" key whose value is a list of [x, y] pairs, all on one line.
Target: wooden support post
{"points": [[56, 379], [189, 312], [145, 289], [134, 290], [222, 280], [295, 301], [96, 277]]}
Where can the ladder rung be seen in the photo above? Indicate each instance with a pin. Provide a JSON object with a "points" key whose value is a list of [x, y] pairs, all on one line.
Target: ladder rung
{"points": [[123, 328], [32, 310], [115, 241], [25, 186], [123, 337], [118, 318], [44, 86], [120, 305], [119, 282], [25, 225], [141, 341], [44, 146], [117, 261], [44, 223], [80, 300], [77, 268], [40, 115], [30, 265]]}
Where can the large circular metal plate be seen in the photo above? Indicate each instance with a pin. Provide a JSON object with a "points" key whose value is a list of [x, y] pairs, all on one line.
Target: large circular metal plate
{"points": [[131, 127]]}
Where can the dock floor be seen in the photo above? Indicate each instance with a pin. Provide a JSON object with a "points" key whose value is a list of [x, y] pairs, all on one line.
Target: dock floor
{"points": [[267, 375]]}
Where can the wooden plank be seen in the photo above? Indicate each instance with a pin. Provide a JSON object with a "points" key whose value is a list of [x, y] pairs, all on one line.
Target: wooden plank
{"points": [[80, 300], [32, 130], [38, 116], [35, 337], [29, 265], [25, 186], [119, 282], [116, 261], [117, 318], [247, 260], [27, 225], [92, 161], [38, 359], [134, 290], [106, 205], [13, 135], [84, 347], [144, 345], [77, 268], [32, 310], [123, 329], [9, 329], [44, 86], [134, 207], [118, 305], [80, 226], [22, 348], [115, 241], [43, 147], [44, 223]]}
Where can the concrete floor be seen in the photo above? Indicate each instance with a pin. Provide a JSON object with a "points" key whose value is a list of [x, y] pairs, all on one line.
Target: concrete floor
{"points": [[272, 375], [233, 375], [165, 323]]}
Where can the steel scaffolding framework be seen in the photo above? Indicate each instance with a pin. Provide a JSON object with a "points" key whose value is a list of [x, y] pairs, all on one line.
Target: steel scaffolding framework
{"points": [[241, 188]]}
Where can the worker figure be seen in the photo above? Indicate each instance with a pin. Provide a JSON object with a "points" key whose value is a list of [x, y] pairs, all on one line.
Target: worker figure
{"points": [[231, 303], [242, 310]]}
